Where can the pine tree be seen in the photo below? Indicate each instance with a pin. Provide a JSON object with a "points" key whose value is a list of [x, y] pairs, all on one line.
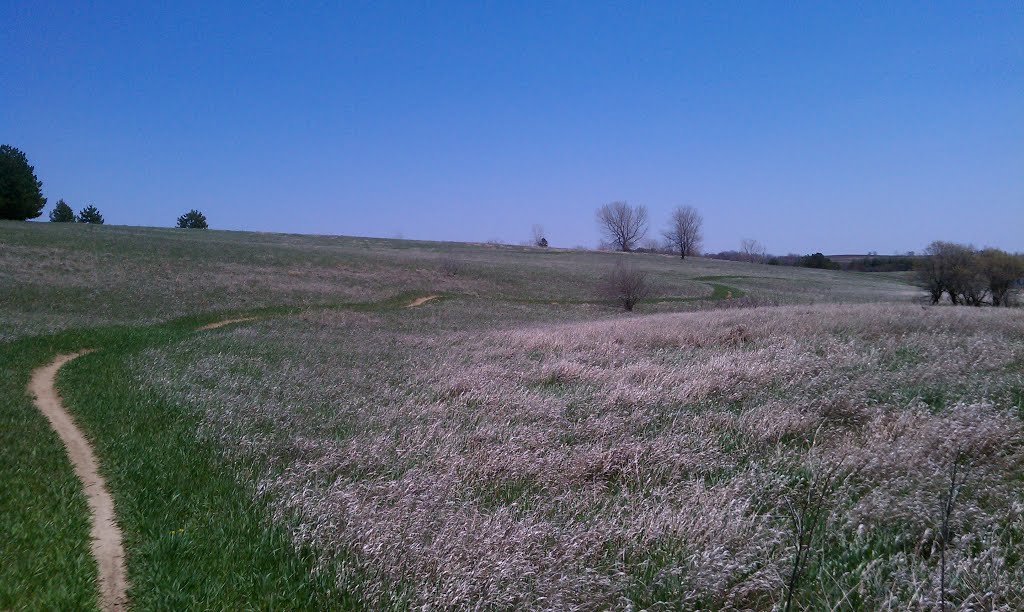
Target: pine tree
{"points": [[90, 214], [21, 195], [193, 219], [62, 213]]}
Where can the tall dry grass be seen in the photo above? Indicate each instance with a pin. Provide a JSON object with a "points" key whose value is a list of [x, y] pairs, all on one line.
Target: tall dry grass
{"points": [[651, 462]]}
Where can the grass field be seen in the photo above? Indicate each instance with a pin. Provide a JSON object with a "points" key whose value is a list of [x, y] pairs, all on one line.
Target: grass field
{"points": [[516, 443]]}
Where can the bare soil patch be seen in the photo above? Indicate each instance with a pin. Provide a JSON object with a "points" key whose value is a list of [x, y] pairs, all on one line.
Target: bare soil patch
{"points": [[421, 300], [106, 535], [217, 324]]}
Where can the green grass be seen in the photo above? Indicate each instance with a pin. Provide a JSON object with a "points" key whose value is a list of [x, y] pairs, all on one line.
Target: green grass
{"points": [[195, 538], [46, 563]]}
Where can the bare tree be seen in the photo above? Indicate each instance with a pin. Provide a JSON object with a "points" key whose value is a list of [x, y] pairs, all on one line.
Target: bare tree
{"points": [[1002, 271], [622, 225], [625, 284], [538, 239], [684, 233], [932, 271], [753, 251]]}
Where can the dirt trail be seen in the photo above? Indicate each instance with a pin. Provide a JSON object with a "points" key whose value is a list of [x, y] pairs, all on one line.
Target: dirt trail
{"points": [[106, 535], [217, 324], [421, 300]]}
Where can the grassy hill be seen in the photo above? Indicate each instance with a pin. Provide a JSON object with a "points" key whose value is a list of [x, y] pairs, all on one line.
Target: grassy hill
{"points": [[56, 276], [750, 432]]}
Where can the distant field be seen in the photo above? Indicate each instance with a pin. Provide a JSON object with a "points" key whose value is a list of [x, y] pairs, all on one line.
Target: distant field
{"points": [[56, 276], [515, 443]]}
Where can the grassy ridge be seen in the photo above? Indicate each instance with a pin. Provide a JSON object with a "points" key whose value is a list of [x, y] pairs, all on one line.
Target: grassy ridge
{"points": [[54, 278]]}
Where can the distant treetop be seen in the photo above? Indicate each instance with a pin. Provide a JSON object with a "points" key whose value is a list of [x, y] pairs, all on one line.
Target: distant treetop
{"points": [[193, 219]]}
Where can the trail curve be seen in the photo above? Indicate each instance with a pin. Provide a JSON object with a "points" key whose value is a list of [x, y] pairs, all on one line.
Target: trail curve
{"points": [[107, 548]]}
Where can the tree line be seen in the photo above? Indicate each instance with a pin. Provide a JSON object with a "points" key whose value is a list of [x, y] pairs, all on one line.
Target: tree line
{"points": [[21, 196], [968, 275]]}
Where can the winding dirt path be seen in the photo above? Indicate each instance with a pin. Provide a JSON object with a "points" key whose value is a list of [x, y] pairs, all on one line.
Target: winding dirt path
{"points": [[106, 535], [217, 324], [421, 300]]}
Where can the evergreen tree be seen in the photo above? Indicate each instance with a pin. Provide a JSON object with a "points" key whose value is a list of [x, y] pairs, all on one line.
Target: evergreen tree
{"points": [[62, 213], [193, 219], [90, 214], [21, 195]]}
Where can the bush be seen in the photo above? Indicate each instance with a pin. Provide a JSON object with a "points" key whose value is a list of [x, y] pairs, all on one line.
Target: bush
{"points": [[625, 284], [817, 261], [62, 213], [883, 263], [452, 266], [193, 219], [90, 214], [1002, 272], [21, 195]]}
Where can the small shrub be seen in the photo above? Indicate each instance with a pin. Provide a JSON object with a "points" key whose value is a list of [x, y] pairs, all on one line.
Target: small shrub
{"points": [[452, 266], [625, 284]]}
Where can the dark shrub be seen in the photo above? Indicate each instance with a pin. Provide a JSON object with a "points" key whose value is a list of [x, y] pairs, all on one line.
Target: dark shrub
{"points": [[625, 284], [193, 219]]}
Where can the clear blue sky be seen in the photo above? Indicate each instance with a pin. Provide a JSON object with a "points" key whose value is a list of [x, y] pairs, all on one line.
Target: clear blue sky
{"points": [[839, 127]]}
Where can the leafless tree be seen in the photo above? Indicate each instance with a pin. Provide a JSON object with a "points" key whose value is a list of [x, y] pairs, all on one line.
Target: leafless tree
{"points": [[622, 225], [753, 251], [932, 273], [537, 236], [625, 284], [684, 231]]}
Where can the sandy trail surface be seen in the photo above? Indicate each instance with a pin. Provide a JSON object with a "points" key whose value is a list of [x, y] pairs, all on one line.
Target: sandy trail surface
{"points": [[421, 300], [217, 324], [106, 535]]}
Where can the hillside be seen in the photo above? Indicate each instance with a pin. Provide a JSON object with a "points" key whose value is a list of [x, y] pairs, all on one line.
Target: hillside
{"points": [[55, 276], [286, 422]]}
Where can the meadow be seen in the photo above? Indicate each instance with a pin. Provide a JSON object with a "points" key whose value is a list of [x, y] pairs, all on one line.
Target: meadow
{"points": [[751, 437]]}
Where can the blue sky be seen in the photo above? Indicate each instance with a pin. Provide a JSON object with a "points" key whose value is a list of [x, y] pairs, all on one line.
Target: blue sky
{"points": [[834, 127]]}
